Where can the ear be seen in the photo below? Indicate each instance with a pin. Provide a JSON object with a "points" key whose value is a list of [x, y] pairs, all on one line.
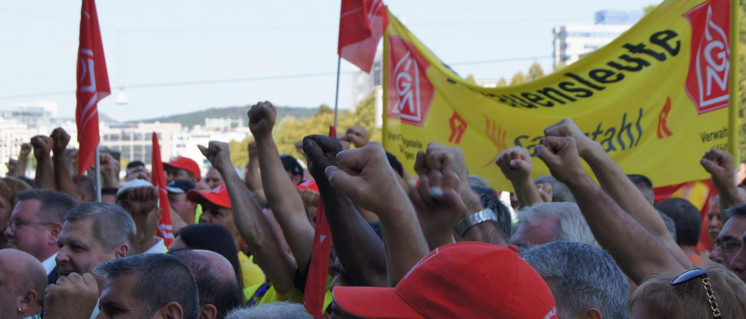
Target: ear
{"points": [[28, 301], [54, 230], [208, 311], [122, 251], [171, 310], [592, 313]]}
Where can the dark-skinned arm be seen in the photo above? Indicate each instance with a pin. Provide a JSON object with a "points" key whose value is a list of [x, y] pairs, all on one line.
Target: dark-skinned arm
{"points": [[282, 196], [44, 178], [358, 247], [251, 223], [638, 253], [62, 179], [719, 164]]}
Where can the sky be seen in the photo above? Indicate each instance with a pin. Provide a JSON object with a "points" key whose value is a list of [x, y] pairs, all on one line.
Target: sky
{"points": [[173, 57]]}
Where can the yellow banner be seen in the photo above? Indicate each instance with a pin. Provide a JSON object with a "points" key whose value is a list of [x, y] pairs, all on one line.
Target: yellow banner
{"points": [[656, 98]]}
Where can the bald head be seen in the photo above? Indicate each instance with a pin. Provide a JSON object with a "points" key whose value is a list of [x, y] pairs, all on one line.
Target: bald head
{"points": [[219, 291], [22, 283]]}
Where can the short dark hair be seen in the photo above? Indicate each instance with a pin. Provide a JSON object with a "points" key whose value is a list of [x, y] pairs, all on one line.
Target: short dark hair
{"points": [[213, 289], [686, 217], [160, 279], [735, 211], [215, 238], [112, 226], [53, 204], [395, 164], [291, 165], [134, 164], [643, 184], [489, 199]]}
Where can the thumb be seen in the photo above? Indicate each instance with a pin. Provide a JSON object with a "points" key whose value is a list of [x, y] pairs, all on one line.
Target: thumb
{"points": [[341, 181], [203, 149], [545, 154]]}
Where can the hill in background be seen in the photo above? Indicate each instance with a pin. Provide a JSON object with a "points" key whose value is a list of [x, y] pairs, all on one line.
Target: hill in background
{"points": [[191, 119]]}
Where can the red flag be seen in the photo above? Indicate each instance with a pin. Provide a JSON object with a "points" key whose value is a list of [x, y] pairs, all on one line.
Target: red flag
{"points": [[165, 230], [93, 84], [361, 26], [316, 282]]}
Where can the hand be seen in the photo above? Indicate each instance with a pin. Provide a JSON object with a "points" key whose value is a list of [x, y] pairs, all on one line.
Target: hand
{"points": [[566, 127], [365, 176], [109, 164], [25, 150], [42, 145], [72, 297], [11, 165], [440, 157], [438, 204], [253, 150], [719, 164], [321, 152], [309, 197], [545, 191], [515, 163], [357, 135], [262, 119], [218, 154], [142, 200], [61, 139], [299, 147], [561, 156]]}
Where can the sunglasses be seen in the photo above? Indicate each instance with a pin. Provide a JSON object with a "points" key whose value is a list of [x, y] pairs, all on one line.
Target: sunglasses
{"points": [[700, 273]]}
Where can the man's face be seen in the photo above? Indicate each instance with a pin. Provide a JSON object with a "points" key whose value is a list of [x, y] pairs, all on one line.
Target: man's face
{"points": [[728, 241], [80, 251], [26, 231], [541, 233], [182, 206], [714, 220], [137, 172], [5, 210], [213, 178], [738, 263], [174, 174], [222, 216], [117, 299]]}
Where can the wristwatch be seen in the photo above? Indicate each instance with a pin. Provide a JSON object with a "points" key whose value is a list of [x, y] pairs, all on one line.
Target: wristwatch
{"points": [[474, 219]]}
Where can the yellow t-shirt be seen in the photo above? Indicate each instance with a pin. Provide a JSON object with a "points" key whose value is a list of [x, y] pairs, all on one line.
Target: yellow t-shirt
{"points": [[251, 273], [294, 295]]}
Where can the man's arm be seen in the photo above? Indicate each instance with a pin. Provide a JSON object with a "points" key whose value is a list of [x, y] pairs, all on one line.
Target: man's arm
{"points": [[62, 178], [358, 247], [360, 175], [719, 164], [20, 168], [515, 163], [252, 176], [282, 196], [636, 250], [254, 227], [616, 183], [42, 146]]}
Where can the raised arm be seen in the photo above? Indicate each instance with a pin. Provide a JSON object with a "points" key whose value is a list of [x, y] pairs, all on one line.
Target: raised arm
{"points": [[719, 164], [44, 178], [358, 247], [252, 177], [62, 179], [282, 196], [254, 227], [20, 168], [365, 176], [515, 163], [616, 183], [636, 250]]}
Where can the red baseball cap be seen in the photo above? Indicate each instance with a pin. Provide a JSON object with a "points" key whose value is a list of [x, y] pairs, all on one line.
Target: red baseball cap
{"points": [[217, 196], [462, 280], [184, 163]]}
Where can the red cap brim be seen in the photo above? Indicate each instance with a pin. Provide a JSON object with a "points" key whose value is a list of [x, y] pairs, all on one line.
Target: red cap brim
{"points": [[373, 302], [201, 197]]}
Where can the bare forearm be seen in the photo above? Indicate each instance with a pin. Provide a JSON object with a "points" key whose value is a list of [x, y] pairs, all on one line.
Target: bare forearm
{"points": [[637, 251], [258, 234], [285, 202], [403, 240], [615, 182], [526, 191], [62, 179], [729, 196], [20, 169], [44, 178]]}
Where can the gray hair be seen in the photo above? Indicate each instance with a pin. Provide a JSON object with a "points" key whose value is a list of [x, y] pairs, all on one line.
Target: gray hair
{"points": [[560, 192], [161, 279], [275, 310], [581, 276], [112, 226], [572, 225], [53, 204]]}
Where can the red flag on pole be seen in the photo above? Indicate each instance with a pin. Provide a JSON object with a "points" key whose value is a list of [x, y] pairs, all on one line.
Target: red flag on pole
{"points": [[316, 282], [361, 26], [93, 84], [164, 230]]}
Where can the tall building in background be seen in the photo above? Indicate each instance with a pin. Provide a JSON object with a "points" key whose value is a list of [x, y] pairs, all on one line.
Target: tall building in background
{"points": [[574, 41], [364, 83]]}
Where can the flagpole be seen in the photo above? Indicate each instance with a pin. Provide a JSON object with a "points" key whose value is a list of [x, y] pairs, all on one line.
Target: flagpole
{"points": [[336, 93], [97, 162]]}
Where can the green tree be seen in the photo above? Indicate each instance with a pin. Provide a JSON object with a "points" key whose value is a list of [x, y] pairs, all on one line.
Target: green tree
{"points": [[535, 71], [470, 78], [518, 78], [502, 82]]}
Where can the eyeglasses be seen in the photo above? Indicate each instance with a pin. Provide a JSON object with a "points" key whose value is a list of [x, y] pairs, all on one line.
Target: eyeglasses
{"points": [[700, 273], [728, 246], [16, 224]]}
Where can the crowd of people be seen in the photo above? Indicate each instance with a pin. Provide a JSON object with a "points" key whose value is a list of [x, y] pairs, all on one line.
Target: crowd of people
{"points": [[438, 244]]}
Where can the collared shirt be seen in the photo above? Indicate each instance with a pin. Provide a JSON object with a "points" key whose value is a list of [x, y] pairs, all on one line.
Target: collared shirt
{"points": [[158, 248], [49, 263]]}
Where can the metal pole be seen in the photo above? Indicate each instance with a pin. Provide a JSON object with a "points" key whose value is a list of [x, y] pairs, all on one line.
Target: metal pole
{"points": [[336, 94], [97, 162]]}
